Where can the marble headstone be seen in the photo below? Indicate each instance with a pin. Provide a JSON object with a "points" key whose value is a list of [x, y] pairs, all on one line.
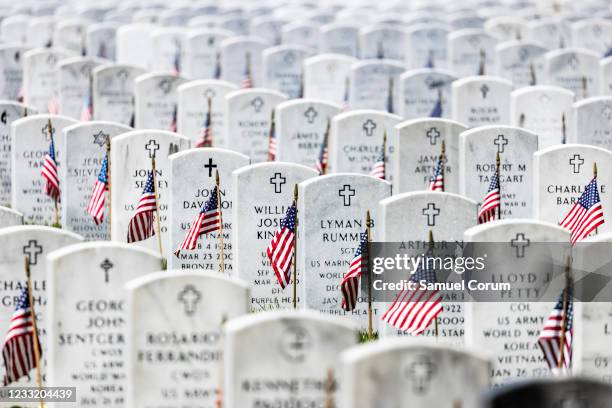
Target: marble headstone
{"points": [[464, 52], [573, 69], [593, 122], [155, 100], [419, 90], [74, 81], [340, 38], [201, 58], [426, 45], [282, 69], [113, 94], [519, 62], [234, 52], [11, 71], [100, 40], [481, 100], [135, 45], [40, 77], [374, 84], [326, 77], [383, 41]]}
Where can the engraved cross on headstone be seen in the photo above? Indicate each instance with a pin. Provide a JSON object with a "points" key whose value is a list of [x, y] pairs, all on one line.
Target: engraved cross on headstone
{"points": [[210, 166], [106, 266], [520, 243], [311, 114], [278, 180], [152, 147], [346, 193], [433, 134], [369, 126], [500, 142], [190, 297], [576, 161], [421, 372], [431, 212], [484, 89], [32, 250]]}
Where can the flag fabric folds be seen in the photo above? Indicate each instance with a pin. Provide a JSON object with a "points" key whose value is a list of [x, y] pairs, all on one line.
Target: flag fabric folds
{"points": [[350, 282], [95, 208], [280, 250], [141, 225], [208, 220]]}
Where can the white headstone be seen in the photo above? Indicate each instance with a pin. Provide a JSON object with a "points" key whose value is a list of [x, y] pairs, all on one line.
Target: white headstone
{"points": [[85, 146], [285, 347], [135, 45], [374, 84], [155, 100], [282, 69], [464, 52], [419, 91], [100, 40], [247, 122], [40, 77], [418, 145], [167, 52], [30, 142], [235, 52], [164, 310], [303, 33], [505, 28], [326, 76], [561, 174], [192, 181], [9, 217], [131, 157], [202, 53], [331, 215], [40, 31], [519, 62], [74, 84], [593, 34], [481, 100], [113, 94], [70, 35], [383, 41], [398, 373], [540, 109], [87, 317], [263, 192], [573, 69], [14, 29], [552, 33], [426, 45], [33, 243], [340, 38], [356, 141], [477, 154], [593, 122], [267, 28], [300, 129], [11, 71]]}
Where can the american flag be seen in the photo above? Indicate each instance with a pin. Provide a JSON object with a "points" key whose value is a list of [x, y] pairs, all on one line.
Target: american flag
{"points": [[49, 173], [53, 106], [389, 104], [491, 201], [586, 215], [412, 311], [173, 124], [436, 181], [272, 139], [550, 336], [208, 220], [350, 282], [206, 135], [96, 203], [247, 80], [321, 163], [280, 250], [436, 112], [378, 170], [87, 113], [141, 225], [19, 345]]}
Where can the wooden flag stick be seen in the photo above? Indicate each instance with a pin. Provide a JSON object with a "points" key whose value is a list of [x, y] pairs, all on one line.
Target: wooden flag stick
{"points": [[221, 250], [497, 166], [431, 247], [443, 160], [108, 184], [34, 328], [330, 387], [159, 239], [384, 151], [564, 317], [369, 239], [295, 242]]}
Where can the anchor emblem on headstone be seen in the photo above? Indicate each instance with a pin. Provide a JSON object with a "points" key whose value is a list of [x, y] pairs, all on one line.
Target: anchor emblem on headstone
{"points": [[295, 343], [520, 243], [32, 250], [433, 134], [606, 112], [190, 297], [45, 132], [106, 266], [278, 180], [484, 90], [500, 142], [311, 114], [152, 146], [420, 372], [368, 127], [576, 161], [209, 93], [257, 104], [431, 212], [100, 138], [346, 192]]}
